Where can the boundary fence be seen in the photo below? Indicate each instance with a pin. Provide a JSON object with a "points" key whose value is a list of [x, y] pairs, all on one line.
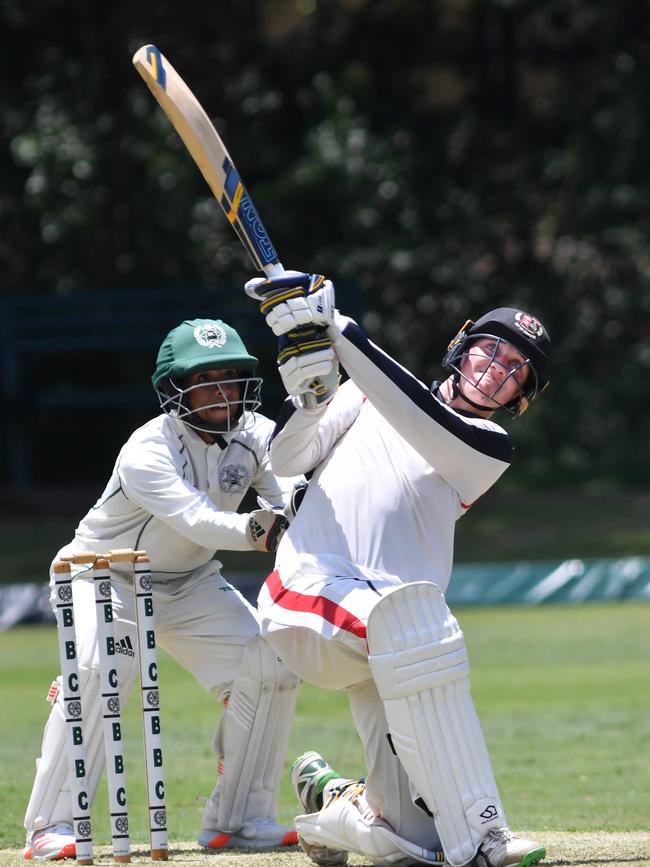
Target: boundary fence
{"points": [[565, 582]]}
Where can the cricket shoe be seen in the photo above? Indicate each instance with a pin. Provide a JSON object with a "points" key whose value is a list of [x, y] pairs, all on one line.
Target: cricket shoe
{"points": [[323, 855], [501, 848], [310, 773], [261, 833], [52, 843]]}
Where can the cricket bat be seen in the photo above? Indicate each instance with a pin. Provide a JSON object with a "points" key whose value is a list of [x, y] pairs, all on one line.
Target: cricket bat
{"points": [[209, 153]]}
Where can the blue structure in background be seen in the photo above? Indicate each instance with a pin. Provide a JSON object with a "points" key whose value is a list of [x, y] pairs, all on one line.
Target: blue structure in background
{"points": [[527, 583], [83, 359], [550, 582]]}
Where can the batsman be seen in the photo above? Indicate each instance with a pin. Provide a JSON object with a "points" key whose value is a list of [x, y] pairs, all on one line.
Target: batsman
{"points": [[357, 597], [175, 491]]}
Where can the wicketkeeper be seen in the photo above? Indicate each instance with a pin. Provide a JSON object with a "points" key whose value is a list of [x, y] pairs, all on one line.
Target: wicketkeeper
{"points": [[356, 600], [174, 492]]}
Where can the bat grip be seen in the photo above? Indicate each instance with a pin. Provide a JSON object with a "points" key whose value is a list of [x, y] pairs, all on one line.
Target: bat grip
{"points": [[275, 269]]}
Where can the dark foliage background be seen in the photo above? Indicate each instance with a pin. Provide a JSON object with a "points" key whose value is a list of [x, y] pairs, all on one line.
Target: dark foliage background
{"points": [[437, 158]]}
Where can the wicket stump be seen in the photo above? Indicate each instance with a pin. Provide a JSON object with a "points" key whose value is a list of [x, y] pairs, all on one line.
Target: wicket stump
{"points": [[110, 699]]}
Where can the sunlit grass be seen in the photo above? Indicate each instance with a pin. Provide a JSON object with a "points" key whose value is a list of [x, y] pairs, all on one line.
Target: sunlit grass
{"points": [[562, 693]]}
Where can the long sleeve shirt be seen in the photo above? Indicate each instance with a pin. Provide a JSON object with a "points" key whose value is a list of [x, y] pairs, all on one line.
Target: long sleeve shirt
{"points": [[393, 467]]}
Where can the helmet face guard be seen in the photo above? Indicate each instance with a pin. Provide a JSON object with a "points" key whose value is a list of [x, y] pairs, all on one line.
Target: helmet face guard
{"points": [[173, 401], [516, 405], [522, 331]]}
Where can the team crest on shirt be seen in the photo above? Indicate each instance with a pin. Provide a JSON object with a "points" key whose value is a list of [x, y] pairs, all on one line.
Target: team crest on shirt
{"points": [[528, 324], [234, 479], [210, 335]]}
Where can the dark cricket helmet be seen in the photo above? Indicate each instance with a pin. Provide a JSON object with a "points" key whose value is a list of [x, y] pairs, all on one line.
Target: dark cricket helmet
{"points": [[522, 330]]}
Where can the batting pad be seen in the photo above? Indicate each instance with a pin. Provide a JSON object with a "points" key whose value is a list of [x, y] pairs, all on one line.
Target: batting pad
{"points": [[251, 740], [419, 663], [346, 823]]}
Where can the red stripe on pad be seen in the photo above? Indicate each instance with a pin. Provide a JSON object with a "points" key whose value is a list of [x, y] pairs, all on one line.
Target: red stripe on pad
{"points": [[325, 608]]}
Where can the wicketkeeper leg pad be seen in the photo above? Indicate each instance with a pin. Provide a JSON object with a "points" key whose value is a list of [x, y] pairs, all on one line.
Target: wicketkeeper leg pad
{"points": [[251, 740], [419, 662]]}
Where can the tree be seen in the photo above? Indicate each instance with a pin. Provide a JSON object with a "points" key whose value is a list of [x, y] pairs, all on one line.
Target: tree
{"points": [[443, 157]]}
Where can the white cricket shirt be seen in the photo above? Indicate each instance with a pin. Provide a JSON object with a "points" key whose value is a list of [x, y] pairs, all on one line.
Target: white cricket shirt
{"points": [[176, 497], [393, 467]]}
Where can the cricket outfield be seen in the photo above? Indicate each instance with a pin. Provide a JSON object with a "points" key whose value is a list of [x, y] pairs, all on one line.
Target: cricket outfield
{"points": [[562, 693]]}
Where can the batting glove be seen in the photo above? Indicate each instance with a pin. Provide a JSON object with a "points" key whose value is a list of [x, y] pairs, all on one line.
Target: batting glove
{"points": [[308, 366], [293, 300], [265, 529]]}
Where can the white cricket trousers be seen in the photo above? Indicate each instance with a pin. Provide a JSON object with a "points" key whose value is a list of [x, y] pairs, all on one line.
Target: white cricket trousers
{"points": [[315, 618]]}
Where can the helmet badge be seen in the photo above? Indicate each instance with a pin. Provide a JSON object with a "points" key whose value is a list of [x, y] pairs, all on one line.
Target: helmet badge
{"points": [[210, 335], [528, 325]]}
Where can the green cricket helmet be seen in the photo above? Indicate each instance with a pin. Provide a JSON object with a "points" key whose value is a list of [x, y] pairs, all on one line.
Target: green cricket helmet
{"points": [[198, 345]]}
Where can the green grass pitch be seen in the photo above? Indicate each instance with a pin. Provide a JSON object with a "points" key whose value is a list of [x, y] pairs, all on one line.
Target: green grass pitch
{"points": [[562, 692]]}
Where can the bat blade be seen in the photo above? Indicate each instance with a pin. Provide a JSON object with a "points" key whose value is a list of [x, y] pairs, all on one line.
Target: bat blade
{"points": [[209, 153]]}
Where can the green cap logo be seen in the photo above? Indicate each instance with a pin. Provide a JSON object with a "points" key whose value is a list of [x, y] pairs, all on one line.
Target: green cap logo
{"points": [[210, 334]]}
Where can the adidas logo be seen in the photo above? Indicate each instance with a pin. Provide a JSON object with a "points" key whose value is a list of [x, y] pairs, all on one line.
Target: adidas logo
{"points": [[124, 646]]}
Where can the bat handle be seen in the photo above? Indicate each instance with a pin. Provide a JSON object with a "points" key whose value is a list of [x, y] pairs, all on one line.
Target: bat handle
{"points": [[274, 269]]}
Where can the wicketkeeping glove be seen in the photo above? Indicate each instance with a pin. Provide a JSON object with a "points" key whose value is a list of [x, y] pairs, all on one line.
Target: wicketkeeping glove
{"points": [[265, 529], [291, 507], [292, 300]]}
